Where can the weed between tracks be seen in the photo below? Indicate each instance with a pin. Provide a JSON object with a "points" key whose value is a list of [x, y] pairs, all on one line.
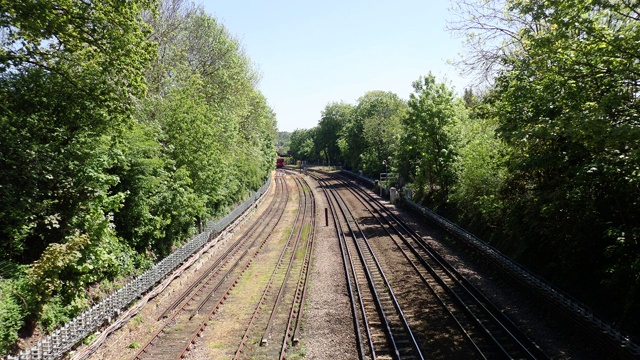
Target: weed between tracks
{"points": [[228, 324]]}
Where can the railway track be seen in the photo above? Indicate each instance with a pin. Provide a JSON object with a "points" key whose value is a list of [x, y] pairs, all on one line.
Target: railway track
{"points": [[480, 326], [277, 317], [383, 329], [186, 317], [406, 301], [493, 334]]}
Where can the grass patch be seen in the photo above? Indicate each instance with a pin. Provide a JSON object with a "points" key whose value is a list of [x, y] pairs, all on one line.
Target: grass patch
{"points": [[217, 345], [298, 352], [135, 323]]}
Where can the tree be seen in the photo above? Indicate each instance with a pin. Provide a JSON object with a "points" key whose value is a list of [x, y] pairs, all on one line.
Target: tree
{"points": [[65, 89], [71, 74], [94, 166], [479, 167], [255, 146], [570, 110], [161, 205], [302, 144], [430, 148], [334, 116], [567, 104], [492, 32], [382, 113], [216, 125], [283, 139], [351, 142], [372, 133]]}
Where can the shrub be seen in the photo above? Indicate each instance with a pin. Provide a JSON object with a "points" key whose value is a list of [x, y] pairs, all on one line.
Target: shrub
{"points": [[11, 316]]}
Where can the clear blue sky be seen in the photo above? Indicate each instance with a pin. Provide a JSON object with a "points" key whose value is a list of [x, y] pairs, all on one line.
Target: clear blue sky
{"points": [[311, 53]]}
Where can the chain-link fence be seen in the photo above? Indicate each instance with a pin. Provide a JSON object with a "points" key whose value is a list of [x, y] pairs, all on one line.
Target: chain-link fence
{"points": [[56, 344]]}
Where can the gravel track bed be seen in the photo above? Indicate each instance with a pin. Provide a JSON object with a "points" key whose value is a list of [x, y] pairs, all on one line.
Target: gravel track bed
{"points": [[327, 330]]}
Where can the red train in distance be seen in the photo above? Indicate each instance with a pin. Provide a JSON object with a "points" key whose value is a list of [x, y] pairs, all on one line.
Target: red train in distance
{"points": [[280, 163]]}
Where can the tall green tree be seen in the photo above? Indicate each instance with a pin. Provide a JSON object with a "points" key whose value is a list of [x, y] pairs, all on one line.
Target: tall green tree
{"points": [[479, 167], [71, 75], [334, 117], [100, 175], [216, 125], [255, 146], [303, 144], [570, 108], [351, 142], [381, 114], [160, 204], [371, 133], [429, 141]]}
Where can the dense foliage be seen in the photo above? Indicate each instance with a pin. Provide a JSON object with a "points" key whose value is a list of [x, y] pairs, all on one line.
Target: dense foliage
{"points": [[126, 125], [545, 163], [302, 145], [569, 109], [283, 140], [429, 144]]}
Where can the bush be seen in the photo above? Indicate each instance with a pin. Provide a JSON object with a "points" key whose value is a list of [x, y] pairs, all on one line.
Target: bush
{"points": [[58, 311], [11, 316]]}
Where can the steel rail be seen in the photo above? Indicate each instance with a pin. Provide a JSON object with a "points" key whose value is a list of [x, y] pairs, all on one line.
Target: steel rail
{"points": [[376, 298], [435, 276], [280, 212], [281, 202], [426, 281], [586, 321], [158, 332], [526, 346], [475, 298], [312, 232], [215, 265], [369, 256], [350, 255], [303, 201], [354, 291], [267, 288], [396, 303], [299, 296]]}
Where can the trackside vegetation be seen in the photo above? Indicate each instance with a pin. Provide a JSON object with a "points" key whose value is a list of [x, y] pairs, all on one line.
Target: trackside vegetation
{"points": [[543, 162], [125, 126]]}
